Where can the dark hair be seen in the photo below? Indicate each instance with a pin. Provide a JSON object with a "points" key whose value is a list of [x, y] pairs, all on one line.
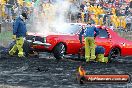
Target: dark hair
{"points": [[24, 15], [89, 23]]}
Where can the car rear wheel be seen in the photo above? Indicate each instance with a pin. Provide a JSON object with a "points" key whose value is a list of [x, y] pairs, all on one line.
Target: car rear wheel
{"points": [[59, 51], [114, 53]]}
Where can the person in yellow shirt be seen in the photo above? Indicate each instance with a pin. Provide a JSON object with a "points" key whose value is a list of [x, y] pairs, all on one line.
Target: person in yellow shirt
{"points": [[115, 21], [82, 15], [101, 21], [96, 20], [113, 11], [123, 23]]}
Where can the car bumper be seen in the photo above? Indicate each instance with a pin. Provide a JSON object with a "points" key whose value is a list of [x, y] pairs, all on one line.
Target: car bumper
{"points": [[39, 45], [46, 45]]}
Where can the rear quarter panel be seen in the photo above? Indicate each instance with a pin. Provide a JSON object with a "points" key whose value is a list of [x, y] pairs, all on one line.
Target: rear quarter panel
{"points": [[122, 43], [126, 48]]}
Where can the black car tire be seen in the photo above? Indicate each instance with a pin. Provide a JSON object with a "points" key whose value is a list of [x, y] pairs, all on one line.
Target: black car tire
{"points": [[11, 46], [27, 48], [114, 53], [59, 51]]}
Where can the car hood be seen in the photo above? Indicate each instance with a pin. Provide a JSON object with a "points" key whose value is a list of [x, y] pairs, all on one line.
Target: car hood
{"points": [[45, 34]]}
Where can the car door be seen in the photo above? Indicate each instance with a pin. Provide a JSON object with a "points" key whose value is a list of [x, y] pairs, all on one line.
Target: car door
{"points": [[72, 40], [103, 39], [76, 43]]}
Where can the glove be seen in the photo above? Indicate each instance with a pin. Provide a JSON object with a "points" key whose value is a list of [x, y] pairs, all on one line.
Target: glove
{"points": [[26, 33], [14, 37]]}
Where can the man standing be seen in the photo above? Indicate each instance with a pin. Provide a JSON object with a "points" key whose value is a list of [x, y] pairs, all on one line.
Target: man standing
{"points": [[89, 41], [19, 32]]}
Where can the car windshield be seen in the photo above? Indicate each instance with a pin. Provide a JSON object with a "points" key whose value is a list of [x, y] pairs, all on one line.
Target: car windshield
{"points": [[68, 28]]}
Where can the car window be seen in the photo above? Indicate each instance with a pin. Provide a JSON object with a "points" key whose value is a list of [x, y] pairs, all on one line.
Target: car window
{"points": [[73, 29], [68, 28], [103, 33]]}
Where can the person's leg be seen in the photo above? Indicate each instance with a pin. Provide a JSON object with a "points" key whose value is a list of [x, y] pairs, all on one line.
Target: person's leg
{"points": [[100, 54], [92, 48], [87, 49], [13, 50], [101, 58], [19, 43]]}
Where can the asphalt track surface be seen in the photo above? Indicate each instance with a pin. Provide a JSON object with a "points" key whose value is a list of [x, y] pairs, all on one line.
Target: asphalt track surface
{"points": [[46, 72]]}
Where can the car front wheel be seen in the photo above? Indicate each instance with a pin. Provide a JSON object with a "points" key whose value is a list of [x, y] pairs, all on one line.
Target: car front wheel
{"points": [[114, 53], [59, 51]]}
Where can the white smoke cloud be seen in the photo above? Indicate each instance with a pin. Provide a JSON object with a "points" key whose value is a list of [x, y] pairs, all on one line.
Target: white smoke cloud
{"points": [[55, 14]]}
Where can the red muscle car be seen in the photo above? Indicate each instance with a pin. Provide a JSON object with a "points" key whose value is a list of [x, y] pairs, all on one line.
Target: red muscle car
{"points": [[65, 41]]}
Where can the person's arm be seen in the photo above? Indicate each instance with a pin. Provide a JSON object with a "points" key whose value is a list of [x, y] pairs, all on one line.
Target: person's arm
{"points": [[97, 32], [26, 31], [80, 35], [15, 28]]}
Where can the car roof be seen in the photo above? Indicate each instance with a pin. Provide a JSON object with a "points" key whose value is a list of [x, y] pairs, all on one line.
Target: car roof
{"points": [[81, 24]]}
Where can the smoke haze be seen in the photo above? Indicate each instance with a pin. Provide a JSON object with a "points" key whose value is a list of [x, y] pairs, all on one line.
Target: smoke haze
{"points": [[52, 16]]}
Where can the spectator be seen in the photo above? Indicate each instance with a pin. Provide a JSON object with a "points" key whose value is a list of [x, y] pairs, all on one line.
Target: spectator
{"points": [[128, 22], [24, 8], [82, 5], [79, 17], [127, 10], [86, 12], [130, 4], [111, 1], [73, 11]]}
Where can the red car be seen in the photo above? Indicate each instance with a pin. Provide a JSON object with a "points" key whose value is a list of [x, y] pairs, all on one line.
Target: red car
{"points": [[65, 41]]}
